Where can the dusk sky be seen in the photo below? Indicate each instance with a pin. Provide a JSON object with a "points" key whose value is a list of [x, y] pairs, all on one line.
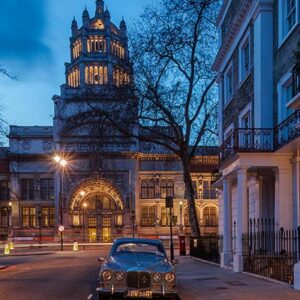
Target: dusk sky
{"points": [[34, 45]]}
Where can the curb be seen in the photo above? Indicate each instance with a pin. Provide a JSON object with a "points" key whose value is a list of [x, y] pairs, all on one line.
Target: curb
{"points": [[26, 254], [3, 267]]}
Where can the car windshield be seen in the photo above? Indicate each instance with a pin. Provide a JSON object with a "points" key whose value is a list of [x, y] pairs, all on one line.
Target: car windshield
{"points": [[140, 248]]}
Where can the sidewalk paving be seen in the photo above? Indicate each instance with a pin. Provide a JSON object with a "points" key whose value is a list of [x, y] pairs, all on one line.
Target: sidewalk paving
{"points": [[199, 280]]}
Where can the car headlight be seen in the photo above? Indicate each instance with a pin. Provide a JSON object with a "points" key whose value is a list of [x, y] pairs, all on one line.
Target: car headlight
{"points": [[157, 277], [120, 276], [106, 275], [170, 277]]}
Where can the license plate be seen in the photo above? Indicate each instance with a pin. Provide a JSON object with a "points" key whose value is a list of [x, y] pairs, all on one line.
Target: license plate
{"points": [[139, 294]]}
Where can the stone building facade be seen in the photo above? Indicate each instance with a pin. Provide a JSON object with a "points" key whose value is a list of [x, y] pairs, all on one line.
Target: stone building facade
{"points": [[259, 117], [96, 195]]}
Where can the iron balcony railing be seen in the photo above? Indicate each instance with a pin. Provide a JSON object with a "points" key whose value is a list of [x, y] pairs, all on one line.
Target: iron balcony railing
{"points": [[261, 139], [287, 130], [247, 140]]}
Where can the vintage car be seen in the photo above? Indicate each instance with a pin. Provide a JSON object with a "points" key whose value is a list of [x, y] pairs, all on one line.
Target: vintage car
{"points": [[137, 268]]}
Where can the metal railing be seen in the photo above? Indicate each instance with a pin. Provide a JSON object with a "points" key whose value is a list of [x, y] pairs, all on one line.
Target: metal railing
{"points": [[287, 130], [206, 247], [271, 253], [247, 140]]}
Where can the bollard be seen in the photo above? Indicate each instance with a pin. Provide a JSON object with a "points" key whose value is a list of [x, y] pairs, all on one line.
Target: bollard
{"points": [[75, 246], [11, 246], [6, 249]]}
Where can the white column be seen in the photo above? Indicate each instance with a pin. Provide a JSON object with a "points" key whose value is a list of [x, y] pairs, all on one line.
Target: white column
{"points": [[242, 218], [283, 199], [226, 255], [263, 65]]}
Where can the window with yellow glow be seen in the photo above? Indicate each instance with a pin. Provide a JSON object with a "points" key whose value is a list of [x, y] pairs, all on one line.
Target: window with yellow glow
{"points": [[120, 77], [96, 74], [77, 48], [74, 77], [117, 50], [96, 44], [98, 24]]}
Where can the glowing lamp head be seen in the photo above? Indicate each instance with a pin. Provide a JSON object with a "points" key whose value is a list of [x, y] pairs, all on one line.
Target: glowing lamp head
{"points": [[180, 203], [63, 162], [10, 204], [57, 158], [85, 205], [82, 193]]}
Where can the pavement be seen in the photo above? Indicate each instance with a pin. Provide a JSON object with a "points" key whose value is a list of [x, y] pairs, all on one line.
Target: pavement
{"points": [[200, 280]]}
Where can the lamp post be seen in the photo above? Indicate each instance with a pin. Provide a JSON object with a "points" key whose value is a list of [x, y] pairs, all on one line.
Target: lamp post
{"points": [[169, 204], [133, 221], [61, 162], [9, 217], [83, 222], [40, 225], [180, 216]]}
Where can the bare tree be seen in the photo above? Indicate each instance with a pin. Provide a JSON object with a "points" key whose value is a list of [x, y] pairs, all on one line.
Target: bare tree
{"points": [[171, 101]]}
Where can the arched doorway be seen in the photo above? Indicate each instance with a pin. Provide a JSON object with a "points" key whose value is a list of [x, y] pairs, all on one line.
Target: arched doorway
{"points": [[97, 210]]}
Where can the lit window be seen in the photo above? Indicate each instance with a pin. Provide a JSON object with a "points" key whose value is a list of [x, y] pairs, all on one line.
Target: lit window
{"points": [[96, 44], [77, 48], [48, 217], [117, 50], [210, 216], [74, 77], [28, 216], [120, 77], [96, 74], [148, 216]]}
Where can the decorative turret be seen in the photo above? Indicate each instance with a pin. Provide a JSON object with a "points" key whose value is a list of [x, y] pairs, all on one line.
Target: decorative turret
{"points": [[74, 27], [99, 52], [99, 8], [123, 27], [85, 18]]}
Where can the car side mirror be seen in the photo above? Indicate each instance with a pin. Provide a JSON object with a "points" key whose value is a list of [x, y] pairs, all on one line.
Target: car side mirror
{"points": [[100, 259]]}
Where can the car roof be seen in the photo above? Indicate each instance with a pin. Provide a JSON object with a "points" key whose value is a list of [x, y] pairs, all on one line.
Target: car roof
{"points": [[137, 240]]}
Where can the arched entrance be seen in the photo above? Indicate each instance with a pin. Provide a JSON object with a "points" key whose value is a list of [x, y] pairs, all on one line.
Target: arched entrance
{"points": [[97, 210]]}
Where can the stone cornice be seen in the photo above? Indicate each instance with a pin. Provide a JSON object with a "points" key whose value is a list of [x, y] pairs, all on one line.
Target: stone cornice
{"points": [[203, 159], [232, 33]]}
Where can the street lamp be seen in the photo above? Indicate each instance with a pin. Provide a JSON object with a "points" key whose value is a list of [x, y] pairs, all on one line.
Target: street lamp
{"points": [[180, 216], [9, 217], [61, 162], [83, 222], [40, 225]]}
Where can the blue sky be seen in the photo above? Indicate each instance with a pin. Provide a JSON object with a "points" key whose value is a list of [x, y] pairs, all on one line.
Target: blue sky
{"points": [[34, 45]]}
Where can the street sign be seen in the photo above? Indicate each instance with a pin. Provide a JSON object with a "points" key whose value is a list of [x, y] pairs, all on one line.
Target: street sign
{"points": [[169, 202], [61, 228]]}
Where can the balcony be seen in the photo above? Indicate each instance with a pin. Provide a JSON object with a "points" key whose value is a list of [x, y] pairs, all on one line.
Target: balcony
{"points": [[247, 140]]}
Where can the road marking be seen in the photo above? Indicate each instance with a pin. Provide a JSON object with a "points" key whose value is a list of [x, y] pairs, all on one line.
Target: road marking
{"points": [[90, 297]]}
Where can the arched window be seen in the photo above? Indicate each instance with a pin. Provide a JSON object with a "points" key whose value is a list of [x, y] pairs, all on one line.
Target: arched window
{"points": [[96, 44], [96, 74], [210, 216]]}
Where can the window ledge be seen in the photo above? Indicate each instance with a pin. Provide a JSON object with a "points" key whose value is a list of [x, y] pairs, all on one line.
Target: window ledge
{"points": [[282, 42], [294, 103], [245, 77], [228, 102]]}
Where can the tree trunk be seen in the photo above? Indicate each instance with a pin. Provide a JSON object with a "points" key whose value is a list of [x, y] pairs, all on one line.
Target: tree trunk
{"points": [[190, 195]]}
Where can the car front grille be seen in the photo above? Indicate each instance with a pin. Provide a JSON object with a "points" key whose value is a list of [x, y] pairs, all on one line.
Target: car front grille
{"points": [[138, 280]]}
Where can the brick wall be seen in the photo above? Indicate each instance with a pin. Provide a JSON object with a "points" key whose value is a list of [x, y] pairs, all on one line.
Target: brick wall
{"points": [[283, 57]]}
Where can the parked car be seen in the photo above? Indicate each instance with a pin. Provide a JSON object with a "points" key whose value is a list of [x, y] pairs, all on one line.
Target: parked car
{"points": [[137, 268]]}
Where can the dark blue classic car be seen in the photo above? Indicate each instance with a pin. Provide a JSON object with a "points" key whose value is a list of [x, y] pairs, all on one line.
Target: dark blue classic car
{"points": [[137, 268]]}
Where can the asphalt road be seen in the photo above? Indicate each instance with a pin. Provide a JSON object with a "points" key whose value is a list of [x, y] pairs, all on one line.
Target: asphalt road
{"points": [[60, 275]]}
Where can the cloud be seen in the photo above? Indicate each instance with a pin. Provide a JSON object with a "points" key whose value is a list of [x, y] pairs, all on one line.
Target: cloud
{"points": [[22, 30]]}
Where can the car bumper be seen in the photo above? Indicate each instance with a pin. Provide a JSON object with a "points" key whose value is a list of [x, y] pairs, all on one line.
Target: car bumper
{"points": [[123, 293]]}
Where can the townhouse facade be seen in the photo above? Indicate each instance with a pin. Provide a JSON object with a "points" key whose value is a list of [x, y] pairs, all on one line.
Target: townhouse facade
{"points": [[258, 76]]}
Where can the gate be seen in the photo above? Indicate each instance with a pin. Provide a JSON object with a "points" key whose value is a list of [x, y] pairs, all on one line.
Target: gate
{"points": [[271, 253]]}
